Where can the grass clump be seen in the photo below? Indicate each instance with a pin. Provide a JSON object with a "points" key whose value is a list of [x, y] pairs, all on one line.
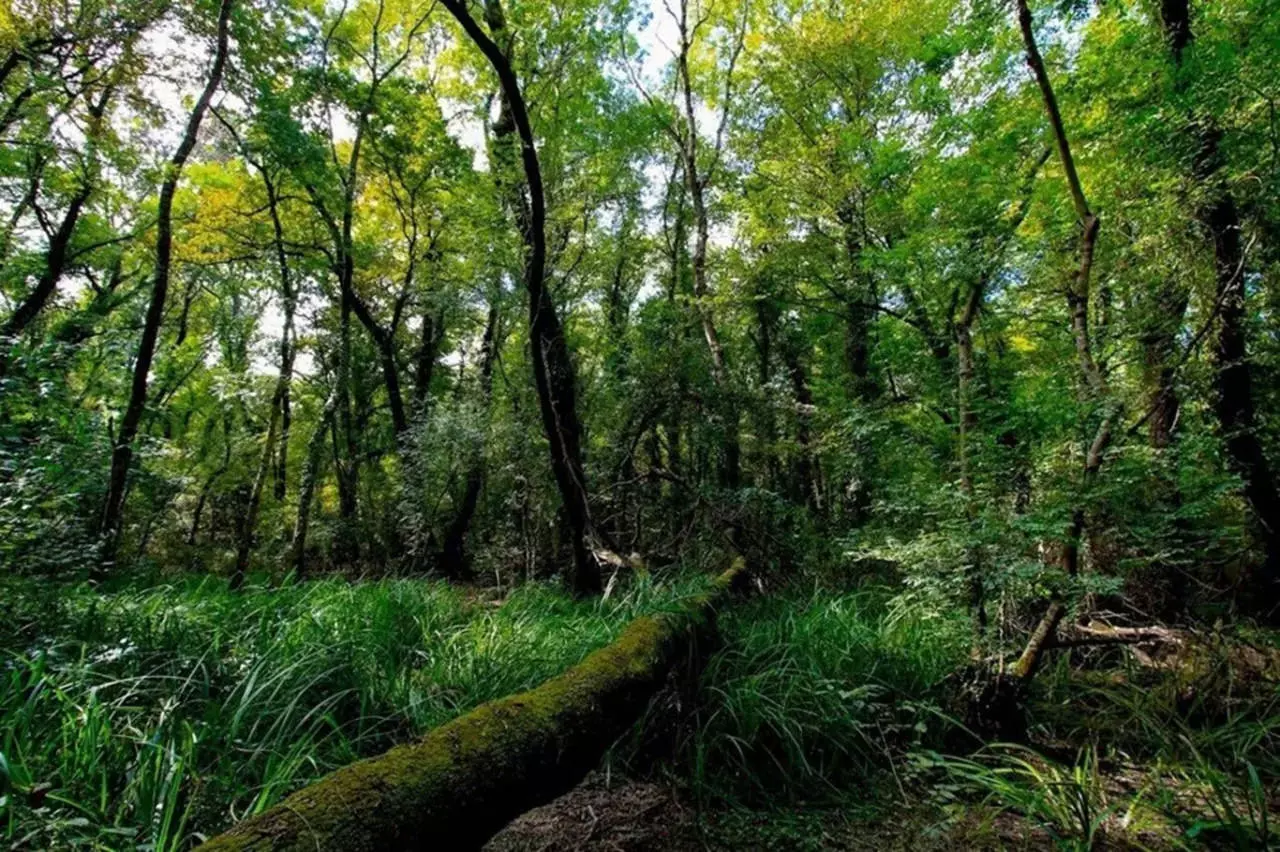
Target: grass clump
{"points": [[818, 692]]}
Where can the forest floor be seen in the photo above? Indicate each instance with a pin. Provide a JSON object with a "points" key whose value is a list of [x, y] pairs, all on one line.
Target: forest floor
{"points": [[656, 817], [821, 725]]}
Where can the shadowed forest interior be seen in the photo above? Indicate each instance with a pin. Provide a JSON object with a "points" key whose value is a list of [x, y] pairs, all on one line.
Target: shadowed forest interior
{"points": [[636, 425]]}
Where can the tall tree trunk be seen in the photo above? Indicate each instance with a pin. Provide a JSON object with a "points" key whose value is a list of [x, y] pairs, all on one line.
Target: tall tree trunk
{"points": [[1159, 348], [346, 444], [122, 455], [766, 321], [217, 474], [968, 420], [384, 341], [249, 521], [552, 367], [1234, 403], [1093, 379], [287, 338], [1092, 376], [277, 419], [432, 334], [858, 309], [808, 480], [696, 183]]}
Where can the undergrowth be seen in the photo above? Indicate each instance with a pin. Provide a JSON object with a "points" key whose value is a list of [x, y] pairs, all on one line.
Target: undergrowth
{"points": [[146, 717], [817, 692], [1127, 756], [149, 716]]}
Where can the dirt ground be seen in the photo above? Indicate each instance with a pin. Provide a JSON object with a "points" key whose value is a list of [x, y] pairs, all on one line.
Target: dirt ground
{"points": [[650, 817]]}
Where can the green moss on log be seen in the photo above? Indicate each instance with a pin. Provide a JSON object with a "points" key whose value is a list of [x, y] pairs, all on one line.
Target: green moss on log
{"points": [[462, 782]]}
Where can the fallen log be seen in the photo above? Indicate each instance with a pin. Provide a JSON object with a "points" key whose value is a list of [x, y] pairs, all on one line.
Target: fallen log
{"points": [[462, 782]]}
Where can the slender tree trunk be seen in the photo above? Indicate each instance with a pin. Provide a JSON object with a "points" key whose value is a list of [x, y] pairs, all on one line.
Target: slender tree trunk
{"points": [[806, 469], [428, 351], [295, 556], [1009, 690], [122, 455], [858, 310], [203, 499], [346, 446], [968, 420], [552, 367], [279, 403], [1094, 380], [696, 184], [453, 561], [287, 342], [1159, 347], [678, 245], [766, 320], [249, 521], [385, 342]]}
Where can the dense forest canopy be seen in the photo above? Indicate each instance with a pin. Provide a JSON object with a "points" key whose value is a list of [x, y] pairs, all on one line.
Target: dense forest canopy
{"points": [[804, 272], [977, 299]]}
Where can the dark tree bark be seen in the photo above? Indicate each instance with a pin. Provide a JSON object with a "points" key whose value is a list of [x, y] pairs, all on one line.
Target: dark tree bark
{"points": [[277, 419], [1234, 403], [249, 521], [339, 225], [384, 340], [122, 455], [968, 421], [288, 345], [431, 337], [295, 556], [766, 425], [207, 490], [807, 475], [552, 367], [858, 309]]}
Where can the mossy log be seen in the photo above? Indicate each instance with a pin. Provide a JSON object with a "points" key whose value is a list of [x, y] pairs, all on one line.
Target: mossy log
{"points": [[462, 782]]}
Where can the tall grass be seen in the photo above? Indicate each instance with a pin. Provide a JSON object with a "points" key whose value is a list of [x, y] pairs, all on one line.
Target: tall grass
{"points": [[147, 717], [819, 692]]}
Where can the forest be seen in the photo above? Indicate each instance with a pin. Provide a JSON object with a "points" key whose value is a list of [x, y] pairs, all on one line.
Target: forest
{"points": [[636, 425]]}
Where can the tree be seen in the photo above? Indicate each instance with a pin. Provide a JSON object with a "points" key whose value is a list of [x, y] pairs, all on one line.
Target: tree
{"points": [[122, 454], [552, 366]]}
